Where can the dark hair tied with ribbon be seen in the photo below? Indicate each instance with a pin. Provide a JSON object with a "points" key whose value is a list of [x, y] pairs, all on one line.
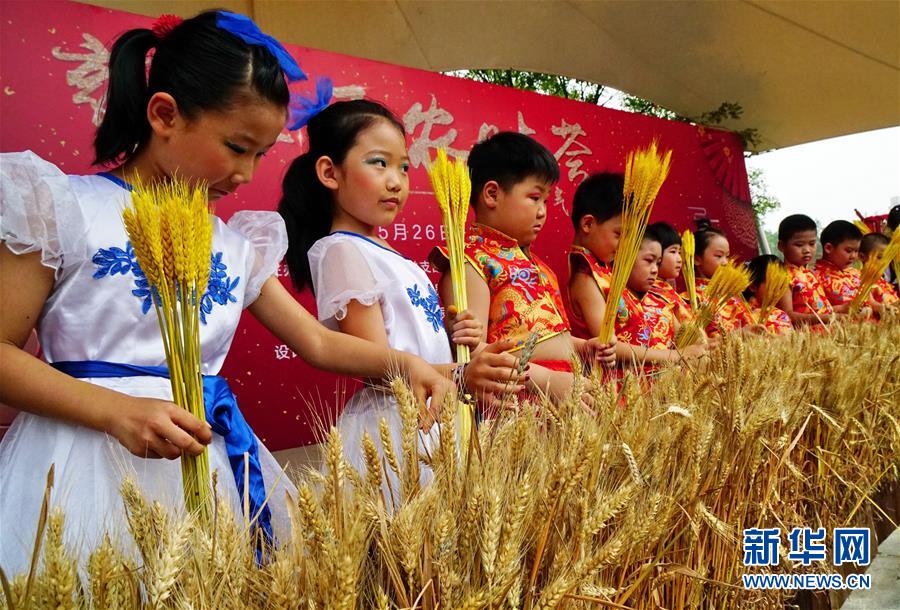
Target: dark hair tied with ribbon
{"points": [[302, 109]]}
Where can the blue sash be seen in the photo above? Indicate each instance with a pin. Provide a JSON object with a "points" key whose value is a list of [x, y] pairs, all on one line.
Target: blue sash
{"points": [[223, 415]]}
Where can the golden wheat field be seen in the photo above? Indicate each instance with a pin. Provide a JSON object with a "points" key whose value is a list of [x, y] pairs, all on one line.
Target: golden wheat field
{"points": [[638, 505]]}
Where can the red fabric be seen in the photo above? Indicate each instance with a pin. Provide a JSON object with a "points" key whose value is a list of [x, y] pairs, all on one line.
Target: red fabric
{"points": [[807, 293], [525, 295], [840, 285], [563, 366]]}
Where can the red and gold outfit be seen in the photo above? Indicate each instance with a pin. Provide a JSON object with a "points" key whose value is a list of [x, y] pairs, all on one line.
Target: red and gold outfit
{"points": [[636, 320], [735, 313], [883, 292], [525, 295], [840, 285], [807, 294], [776, 323]]}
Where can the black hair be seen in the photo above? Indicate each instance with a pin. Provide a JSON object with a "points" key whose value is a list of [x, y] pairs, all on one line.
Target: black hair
{"points": [[651, 236], [757, 267], [306, 204], [793, 224], [200, 65], [666, 234], [872, 240], [840, 231], [704, 234], [893, 218], [509, 158], [599, 195]]}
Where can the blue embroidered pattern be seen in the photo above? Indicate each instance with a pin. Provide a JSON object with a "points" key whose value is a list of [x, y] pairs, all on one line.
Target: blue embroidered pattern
{"points": [[116, 261], [430, 304]]}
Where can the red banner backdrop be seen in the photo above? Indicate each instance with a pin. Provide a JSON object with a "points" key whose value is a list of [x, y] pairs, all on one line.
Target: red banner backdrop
{"points": [[53, 77]]}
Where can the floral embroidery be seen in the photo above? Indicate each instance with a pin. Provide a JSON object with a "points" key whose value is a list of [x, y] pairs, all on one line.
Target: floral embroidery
{"points": [[219, 288], [116, 261], [430, 304]]}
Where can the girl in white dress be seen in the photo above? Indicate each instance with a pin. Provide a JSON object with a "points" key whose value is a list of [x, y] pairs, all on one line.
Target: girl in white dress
{"points": [[215, 100], [353, 180]]}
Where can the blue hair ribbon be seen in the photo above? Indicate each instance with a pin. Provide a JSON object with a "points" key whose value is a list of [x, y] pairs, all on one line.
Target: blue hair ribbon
{"points": [[302, 109], [244, 28]]}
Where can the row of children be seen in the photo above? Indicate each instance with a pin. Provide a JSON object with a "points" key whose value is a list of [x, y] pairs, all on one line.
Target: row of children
{"points": [[213, 102]]}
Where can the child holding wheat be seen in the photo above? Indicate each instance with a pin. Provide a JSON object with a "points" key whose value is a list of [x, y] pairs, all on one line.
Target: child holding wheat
{"points": [[507, 284], [713, 251], [806, 302], [873, 245], [214, 101], [769, 281], [835, 271], [353, 180], [641, 339]]}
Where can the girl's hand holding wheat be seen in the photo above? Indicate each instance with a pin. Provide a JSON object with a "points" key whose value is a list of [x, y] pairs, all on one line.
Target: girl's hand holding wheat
{"points": [[465, 328], [152, 428], [697, 350], [599, 352], [493, 371]]}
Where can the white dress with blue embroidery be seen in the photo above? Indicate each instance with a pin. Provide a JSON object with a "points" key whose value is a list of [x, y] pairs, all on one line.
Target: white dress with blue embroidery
{"points": [[99, 309], [349, 267]]}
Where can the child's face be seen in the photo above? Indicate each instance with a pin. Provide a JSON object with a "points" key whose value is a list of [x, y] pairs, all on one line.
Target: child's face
{"points": [[372, 184], [220, 147], [670, 267], [800, 248], [716, 254], [521, 211], [646, 267], [601, 238], [876, 251], [843, 254], [759, 290]]}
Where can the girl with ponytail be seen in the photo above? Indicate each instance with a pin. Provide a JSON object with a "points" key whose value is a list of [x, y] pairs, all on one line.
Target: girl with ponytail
{"points": [[353, 180], [213, 102]]}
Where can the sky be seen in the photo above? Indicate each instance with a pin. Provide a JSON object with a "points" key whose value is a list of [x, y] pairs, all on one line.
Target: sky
{"points": [[829, 178]]}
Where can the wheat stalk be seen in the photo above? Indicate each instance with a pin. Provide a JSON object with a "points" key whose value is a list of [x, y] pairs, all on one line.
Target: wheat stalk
{"points": [[728, 282], [778, 280], [645, 171], [874, 269], [688, 249], [170, 229]]}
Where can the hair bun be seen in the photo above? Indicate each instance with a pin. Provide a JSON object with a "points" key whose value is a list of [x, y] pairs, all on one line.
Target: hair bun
{"points": [[703, 224]]}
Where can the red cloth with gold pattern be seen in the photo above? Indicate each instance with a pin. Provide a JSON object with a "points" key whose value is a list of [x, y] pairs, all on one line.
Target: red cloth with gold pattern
{"points": [[883, 292], [807, 294], [735, 313], [525, 295], [659, 315], [776, 323], [840, 285], [665, 302], [632, 324], [582, 260]]}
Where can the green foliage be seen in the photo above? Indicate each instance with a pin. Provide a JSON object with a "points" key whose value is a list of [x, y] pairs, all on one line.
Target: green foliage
{"points": [[761, 200], [549, 84]]}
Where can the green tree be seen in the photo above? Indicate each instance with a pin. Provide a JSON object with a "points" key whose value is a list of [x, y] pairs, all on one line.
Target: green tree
{"points": [[761, 200], [549, 84]]}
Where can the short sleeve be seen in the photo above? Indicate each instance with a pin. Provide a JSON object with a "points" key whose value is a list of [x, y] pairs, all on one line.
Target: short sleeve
{"points": [[340, 274], [39, 212], [267, 234]]}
